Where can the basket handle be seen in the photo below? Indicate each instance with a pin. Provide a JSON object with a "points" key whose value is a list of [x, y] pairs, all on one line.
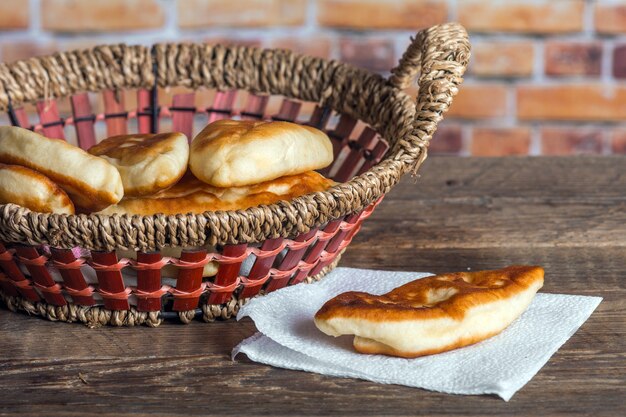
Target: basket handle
{"points": [[441, 53]]}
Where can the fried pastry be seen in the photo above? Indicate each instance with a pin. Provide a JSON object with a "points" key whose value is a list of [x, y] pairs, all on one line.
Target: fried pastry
{"points": [[191, 195], [91, 182], [433, 314], [234, 153], [148, 163], [30, 189]]}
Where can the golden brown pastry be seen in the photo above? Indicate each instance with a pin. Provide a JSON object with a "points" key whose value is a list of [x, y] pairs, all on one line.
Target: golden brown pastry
{"points": [[191, 195], [148, 163], [91, 182], [30, 189], [433, 314], [234, 153]]}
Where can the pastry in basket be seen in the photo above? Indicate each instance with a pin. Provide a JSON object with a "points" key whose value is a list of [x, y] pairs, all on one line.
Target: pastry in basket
{"points": [[148, 163], [234, 153], [433, 314], [91, 182], [191, 195], [30, 189]]}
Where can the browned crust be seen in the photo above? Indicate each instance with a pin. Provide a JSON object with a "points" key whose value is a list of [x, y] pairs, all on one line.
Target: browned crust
{"points": [[142, 145], [410, 301], [191, 195], [87, 199], [36, 204]]}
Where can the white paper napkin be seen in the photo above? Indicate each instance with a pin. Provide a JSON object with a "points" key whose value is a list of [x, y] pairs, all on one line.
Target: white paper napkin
{"points": [[501, 365]]}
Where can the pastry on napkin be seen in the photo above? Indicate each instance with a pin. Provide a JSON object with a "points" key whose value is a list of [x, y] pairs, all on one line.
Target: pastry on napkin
{"points": [[501, 365], [434, 314]]}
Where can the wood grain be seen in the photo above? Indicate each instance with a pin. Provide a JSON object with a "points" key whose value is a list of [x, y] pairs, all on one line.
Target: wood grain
{"points": [[567, 214]]}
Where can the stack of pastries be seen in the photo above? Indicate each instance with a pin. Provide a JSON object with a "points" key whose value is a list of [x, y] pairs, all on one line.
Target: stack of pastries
{"points": [[230, 165]]}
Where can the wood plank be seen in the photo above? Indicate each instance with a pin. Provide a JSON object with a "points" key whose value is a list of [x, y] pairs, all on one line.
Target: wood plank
{"points": [[517, 202], [565, 214]]}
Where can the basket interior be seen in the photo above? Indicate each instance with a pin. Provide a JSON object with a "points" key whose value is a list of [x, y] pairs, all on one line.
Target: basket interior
{"points": [[57, 277]]}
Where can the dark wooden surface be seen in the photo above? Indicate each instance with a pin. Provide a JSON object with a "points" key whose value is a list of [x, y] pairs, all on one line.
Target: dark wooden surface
{"points": [[568, 215]]}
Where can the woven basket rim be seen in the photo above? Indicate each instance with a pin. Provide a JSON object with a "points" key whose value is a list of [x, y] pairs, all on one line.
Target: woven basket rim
{"points": [[366, 96]]}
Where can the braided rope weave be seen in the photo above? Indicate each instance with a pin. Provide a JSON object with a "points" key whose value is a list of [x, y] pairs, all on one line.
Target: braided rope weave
{"points": [[442, 53]]}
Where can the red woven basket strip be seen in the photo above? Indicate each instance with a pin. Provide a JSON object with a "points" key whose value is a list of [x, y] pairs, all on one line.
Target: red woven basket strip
{"points": [[260, 271], [144, 117], [110, 282], [222, 289], [228, 272], [7, 285], [182, 120], [255, 107], [152, 295], [189, 284], [289, 110], [355, 155], [222, 105], [313, 254], [251, 287], [85, 293], [149, 289], [320, 117], [339, 138], [293, 260], [51, 122], [114, 110], [374, 156], [297, 249], [189, 297], [22, 117], [53, 290], [68, 265], [84, 120], [36, 265], [113, 297], [10, 268]]}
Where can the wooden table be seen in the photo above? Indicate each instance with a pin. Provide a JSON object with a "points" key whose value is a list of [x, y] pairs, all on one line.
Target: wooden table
{"points": [[567, 214]]}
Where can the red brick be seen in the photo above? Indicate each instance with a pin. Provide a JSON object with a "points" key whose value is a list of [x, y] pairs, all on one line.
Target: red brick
{"points": [[618, 142], [373, 54], [619, 61], [251, 13], [393, 14], [14, 16], [502, 59], [573, 58], [610, 18], [588, 102], [101, 16], [230, 41], [318, 46], [570, 141], [16, 50], [489, 141], [448, 140], [479, 101], [548, 16]]}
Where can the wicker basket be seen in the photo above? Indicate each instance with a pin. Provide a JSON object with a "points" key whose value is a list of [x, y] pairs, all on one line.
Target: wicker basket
{"points": [[65, 267]]}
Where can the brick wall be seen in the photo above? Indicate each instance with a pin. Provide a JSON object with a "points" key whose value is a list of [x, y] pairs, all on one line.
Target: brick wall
{"points": [[547, 76]]}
